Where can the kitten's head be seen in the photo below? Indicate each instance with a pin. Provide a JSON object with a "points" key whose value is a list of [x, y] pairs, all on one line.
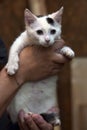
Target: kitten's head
{"points": [[44, 30]]}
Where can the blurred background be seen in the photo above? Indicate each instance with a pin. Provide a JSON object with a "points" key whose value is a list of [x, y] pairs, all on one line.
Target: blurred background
{"points": [[72, 88]]}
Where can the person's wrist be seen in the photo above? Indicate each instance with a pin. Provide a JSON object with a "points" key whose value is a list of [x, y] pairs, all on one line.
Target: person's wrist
{"points": [[19, 80], [13, 78]]}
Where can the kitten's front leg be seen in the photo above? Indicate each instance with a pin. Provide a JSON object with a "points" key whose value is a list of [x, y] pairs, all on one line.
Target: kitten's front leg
{"points": [[17, 46], [67, 51], [13, 60], [13, 63]]}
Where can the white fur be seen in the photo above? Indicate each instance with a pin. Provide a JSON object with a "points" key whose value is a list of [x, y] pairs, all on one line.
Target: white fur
{"points": [[36, 97], [67, 51], [21, 42]]}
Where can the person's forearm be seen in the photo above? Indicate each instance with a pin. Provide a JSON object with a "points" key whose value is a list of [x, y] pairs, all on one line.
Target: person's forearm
{"points": [[8, 87]]}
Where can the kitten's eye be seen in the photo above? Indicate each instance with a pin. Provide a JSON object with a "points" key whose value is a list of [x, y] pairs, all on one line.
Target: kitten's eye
{"points": [[40, 32], [53, 31]]}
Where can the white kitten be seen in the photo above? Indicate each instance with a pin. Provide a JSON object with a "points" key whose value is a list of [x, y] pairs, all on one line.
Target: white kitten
{"points": [[40, 96], [40, 31]]}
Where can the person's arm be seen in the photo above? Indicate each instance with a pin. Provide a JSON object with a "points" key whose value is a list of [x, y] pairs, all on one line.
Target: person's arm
{"points": [[35, 64], [8, 87]]}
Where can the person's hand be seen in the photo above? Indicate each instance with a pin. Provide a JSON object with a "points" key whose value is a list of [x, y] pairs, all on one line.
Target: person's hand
{"points": [[38, 62], [32, 122]]}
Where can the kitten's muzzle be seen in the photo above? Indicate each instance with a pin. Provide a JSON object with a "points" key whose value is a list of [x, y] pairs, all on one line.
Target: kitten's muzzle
{"points": [[47, 43]]}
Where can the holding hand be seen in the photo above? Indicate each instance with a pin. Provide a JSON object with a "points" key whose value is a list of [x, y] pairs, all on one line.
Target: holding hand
{"points": [[37, 62], [32, 122]]}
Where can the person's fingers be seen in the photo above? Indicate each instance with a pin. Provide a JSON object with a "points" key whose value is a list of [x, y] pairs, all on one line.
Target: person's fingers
{"points": [[41, 123], [21, 115], [21, 121], [23, 126], [59, 44], [30, 123], [59, 58]]}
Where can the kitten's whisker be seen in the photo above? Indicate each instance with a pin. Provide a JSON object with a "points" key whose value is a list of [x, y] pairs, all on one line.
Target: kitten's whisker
{"points": [[57, 40]]}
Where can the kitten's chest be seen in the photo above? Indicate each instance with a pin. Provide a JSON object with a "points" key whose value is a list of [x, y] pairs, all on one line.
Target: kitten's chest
{"points": [[43, 92], [39, 95]]}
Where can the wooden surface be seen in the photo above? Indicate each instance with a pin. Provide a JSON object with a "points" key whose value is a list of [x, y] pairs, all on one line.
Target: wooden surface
{"points": [[83, 117], [79, 93], [57, 128], [38, 7]]}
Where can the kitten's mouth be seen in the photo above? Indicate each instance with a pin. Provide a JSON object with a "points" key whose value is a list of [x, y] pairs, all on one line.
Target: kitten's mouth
{"points": [[46, 45]]}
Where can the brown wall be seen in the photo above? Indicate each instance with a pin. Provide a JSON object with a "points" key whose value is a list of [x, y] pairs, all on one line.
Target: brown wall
{"points": [[11, 19]]}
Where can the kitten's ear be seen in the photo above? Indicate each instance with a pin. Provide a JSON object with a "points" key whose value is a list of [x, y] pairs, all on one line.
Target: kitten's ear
{"points": [[58, 15], [29, 17]]}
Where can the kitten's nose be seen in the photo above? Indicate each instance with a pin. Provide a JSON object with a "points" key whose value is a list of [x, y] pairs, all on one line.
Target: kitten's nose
{"points": [[47, 39]]}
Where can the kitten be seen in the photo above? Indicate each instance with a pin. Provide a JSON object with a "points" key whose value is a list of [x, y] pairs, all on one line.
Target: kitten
{"points": [[38, 97]]}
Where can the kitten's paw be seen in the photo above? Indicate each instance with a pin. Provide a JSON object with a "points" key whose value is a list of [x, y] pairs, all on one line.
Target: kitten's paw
{"points": [[67, 51], [12, 65], [11, 68], [30, 113]]}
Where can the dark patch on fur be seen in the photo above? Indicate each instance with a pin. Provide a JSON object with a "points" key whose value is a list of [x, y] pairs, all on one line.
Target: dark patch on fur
{"points": [[50, 117], [40, 16], [50, 21]]}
